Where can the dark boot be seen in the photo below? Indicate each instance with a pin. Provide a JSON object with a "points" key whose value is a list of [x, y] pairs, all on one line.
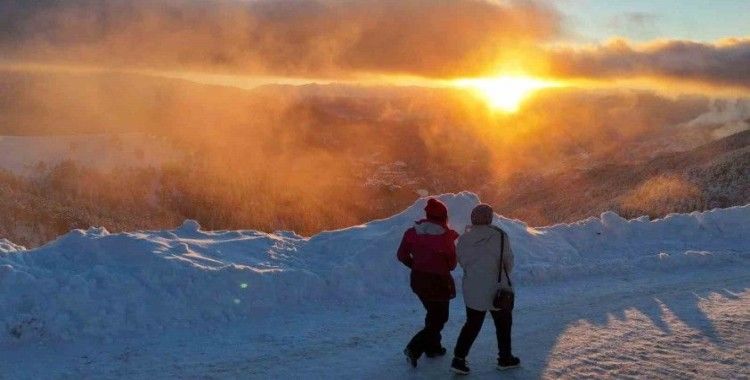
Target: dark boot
{"points": [[435, 353], [460, 366], [508, 362], [411, 357]]}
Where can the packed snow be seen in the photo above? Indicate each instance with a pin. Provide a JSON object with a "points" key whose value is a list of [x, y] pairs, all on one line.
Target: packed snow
{"points": [[221, 303]]}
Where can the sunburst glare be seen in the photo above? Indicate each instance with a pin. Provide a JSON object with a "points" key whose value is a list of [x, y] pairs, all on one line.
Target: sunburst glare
{"points": [[506, 93]]}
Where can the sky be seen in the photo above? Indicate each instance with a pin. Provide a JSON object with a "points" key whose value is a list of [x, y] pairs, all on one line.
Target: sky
{"points": [[677, 43], [643, 20]]}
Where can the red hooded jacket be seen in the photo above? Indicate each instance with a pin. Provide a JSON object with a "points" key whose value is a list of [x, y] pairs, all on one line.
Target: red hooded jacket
{"points": [[429, 250]]}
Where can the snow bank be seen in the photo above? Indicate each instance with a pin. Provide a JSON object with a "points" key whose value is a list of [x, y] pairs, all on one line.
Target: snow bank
{"points": [[7, 246], [97, 284]]}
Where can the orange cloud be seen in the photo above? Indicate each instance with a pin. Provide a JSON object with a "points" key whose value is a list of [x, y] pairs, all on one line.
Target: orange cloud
{"points": [[724, 63], [281, 37], [347, 40]]}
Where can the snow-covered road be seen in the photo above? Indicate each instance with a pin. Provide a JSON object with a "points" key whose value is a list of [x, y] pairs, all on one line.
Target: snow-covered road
{"points": [[692, 324]]}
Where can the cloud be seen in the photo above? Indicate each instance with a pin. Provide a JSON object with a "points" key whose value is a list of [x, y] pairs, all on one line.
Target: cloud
{"points": [[638, 20], [724, 63], [348, 39], [644, 25], [282, 37]]}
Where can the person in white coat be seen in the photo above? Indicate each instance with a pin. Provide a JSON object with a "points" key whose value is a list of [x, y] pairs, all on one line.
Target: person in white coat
{"points": [[483, 252]]}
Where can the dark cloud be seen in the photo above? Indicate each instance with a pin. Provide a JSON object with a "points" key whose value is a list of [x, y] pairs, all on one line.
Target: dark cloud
{"points": [[725, 63], [644, 25], [286, 37], [634, 19]]}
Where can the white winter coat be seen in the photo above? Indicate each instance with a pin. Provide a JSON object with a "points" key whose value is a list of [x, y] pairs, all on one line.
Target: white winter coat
{"points": [[478, 252]]}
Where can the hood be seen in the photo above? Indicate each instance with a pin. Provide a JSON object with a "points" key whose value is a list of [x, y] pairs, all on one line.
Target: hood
{"points": [[426, 227], [479, 234]]}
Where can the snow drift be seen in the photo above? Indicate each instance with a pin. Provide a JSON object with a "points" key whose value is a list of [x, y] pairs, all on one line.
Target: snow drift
{"points": [[96, 284]]}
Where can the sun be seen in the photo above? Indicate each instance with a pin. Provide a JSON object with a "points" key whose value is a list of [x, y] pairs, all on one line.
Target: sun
{"points": [[505, 93]]}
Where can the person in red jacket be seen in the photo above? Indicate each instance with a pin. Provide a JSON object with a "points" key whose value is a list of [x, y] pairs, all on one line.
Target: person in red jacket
{"points": [[428, 249]]}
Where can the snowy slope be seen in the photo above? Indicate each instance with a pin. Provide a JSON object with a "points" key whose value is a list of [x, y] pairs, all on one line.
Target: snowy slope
{"points": [[101, 151], [93, 284]]}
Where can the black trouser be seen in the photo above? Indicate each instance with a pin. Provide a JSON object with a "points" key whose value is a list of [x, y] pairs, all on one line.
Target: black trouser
{"points": [[428, 339], [474, 320]]}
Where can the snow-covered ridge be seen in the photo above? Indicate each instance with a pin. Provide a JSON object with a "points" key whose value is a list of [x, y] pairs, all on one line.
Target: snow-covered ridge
{"points": [[94, 283]]}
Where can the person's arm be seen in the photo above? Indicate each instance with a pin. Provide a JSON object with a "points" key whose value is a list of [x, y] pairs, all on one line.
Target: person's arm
{"points": [[507, 254], [451, 254], [404, 250], [460, 258]]}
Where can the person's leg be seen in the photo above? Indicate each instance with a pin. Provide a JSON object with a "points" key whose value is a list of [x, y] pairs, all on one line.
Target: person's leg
{"points": [[474, 321], [503, 322], [429, 337], [437, 316], [417, 343]]}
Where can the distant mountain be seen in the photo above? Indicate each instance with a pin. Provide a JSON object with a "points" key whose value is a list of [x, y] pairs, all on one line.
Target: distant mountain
{"points": [[713, 175], [309, 158]]}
